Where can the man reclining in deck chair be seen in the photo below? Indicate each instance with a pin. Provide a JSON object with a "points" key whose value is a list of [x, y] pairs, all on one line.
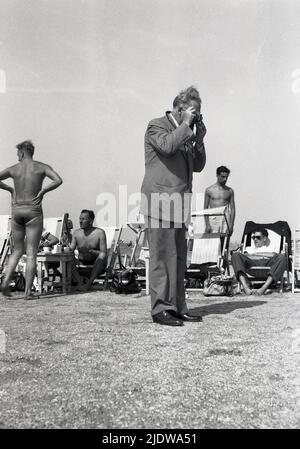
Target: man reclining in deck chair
{"points": [[92, 250], [261, 255]]}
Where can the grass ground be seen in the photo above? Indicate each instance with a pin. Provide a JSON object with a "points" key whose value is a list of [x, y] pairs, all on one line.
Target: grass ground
{"points": [[96, 360]]}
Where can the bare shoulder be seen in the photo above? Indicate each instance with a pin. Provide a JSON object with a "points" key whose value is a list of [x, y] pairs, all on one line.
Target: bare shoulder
{"points": [[100, 232], [12, 169], [77, 232], [41, 165], [210, 188]]}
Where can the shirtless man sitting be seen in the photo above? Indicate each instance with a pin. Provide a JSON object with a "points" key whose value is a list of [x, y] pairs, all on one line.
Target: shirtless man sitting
{"points": [[91, 245], [219, 195], [26, 211]]}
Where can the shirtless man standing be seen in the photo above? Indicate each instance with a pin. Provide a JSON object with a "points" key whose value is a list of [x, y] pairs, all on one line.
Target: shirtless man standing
{"points": [[219, 195], [26, 211], [91, 244]]}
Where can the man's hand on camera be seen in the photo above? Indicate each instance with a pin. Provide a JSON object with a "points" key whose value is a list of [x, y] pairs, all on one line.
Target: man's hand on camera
{"points": [[189, 115], [200, 129]]}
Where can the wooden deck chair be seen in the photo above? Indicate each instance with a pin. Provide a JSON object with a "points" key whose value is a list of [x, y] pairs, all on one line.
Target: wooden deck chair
{"points": [[5, 239], [56, 225], [279, 235], [207, 252], [113, 240], [204, 257], [296, 261], [66, 235], [142, 269]]}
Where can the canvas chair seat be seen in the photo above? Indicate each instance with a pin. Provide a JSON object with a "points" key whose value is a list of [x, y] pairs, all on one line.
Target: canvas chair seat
{"points": [[279, 236], [207, 252], [206, 249]]}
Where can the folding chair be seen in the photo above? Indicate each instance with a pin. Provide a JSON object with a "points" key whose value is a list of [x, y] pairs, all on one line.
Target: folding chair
{"points": [[207, 252], [113, 240], [279, 235], [142, 270], [56, 225], [296, 261], [5, 239]]}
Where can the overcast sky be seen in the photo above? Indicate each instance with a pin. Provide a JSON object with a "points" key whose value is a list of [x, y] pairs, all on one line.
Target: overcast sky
{"points": [[82, 78]]}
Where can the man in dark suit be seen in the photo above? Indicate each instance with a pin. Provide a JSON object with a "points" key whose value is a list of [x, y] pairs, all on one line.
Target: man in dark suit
{"points": [[174, 149]]}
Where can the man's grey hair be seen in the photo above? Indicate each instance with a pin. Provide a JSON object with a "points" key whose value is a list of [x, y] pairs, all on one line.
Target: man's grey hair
{"points": [[187, 95]]}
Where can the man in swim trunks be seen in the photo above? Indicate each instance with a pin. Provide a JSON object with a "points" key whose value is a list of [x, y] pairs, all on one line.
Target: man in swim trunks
{"points": [[92, 249], [219, 195], [27, 214]]}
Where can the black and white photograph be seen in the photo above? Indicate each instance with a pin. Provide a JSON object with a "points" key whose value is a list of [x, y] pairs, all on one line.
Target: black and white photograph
{"points": [[149, 217]]}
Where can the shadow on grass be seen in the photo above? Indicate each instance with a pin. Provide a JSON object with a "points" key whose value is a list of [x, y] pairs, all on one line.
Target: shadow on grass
{"points": [[223, 308]]}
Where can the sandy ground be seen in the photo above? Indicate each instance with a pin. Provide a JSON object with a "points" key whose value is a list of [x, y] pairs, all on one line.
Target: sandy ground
{"points": [[96, 360]]}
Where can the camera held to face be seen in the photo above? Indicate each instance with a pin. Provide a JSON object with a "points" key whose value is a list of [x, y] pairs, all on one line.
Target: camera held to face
{"points": [[198, 118]]}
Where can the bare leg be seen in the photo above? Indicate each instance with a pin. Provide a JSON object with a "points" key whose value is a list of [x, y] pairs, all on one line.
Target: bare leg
{"points": [[98, 269], [260, 291], [75, 274], [34, 231], [245, 285], [18, 235]]}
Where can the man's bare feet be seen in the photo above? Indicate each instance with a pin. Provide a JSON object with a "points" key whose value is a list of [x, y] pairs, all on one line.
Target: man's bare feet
{"points": [[259, 291], [31, 296], [248, 291]]}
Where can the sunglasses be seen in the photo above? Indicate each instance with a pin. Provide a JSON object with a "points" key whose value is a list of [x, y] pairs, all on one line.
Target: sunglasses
{"points": [[258, 237]]}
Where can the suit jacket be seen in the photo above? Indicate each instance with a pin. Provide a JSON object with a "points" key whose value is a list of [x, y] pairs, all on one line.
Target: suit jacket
{"points": [[171, 156]]}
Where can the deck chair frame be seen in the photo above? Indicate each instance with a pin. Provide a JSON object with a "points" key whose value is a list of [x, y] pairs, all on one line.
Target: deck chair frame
{"points": [[114, 255], [257, 275], [56, 225], [6, 247], [142, 272], [296, 261], [221, 241]]}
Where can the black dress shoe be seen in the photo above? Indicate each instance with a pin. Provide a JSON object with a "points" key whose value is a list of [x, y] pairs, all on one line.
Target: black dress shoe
{"points": [[166, 319], [187, 317]]}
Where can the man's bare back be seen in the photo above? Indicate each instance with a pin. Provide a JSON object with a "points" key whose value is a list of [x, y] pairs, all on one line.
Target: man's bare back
{"points": [[26, 212], [28, 177]]}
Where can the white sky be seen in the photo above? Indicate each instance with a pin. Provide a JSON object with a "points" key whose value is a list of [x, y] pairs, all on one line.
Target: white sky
{"points": [[83, 78]]}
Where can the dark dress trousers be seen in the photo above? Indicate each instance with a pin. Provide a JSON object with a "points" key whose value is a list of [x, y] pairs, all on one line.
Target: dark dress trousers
{"points": [[171, 155]]}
